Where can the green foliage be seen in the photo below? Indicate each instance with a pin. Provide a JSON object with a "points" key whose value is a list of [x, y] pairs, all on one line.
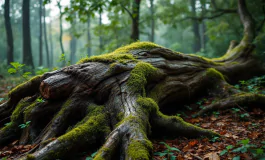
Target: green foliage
{"points": [[40, 100], [169, 152], [41, 70], [215, 139], [244, 146], [8, 124], [22, 126], [91, 156], [17, 68]]}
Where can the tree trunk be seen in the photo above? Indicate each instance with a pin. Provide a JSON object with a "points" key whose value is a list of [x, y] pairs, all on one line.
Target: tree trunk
{"points": [[73, 46], [152, 38], [135, 20], [115, 100], [61, 33], [27, 55], [89, 44], [196, 30], [40, 33], [100, 32], [51, 42], [9, 33], [46, 38]]}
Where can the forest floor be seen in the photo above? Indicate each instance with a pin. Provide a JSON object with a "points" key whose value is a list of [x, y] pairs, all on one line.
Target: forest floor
{"points": [[241, 128]]}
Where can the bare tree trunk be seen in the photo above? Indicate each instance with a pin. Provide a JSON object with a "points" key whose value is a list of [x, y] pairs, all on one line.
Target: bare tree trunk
{"points": [[152, 38], [46, 38], [61, 32], [73, 44], [196, 31], [100, 32], [51, 42], [135, 20], [89, 44], [40, 33], [9, 33], [27, 55]]}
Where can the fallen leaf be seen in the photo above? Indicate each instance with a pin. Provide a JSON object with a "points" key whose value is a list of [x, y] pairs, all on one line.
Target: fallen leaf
{"points": [[211, 156]]}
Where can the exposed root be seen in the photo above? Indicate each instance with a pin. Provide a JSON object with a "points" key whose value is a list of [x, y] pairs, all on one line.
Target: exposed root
{"points": [[236, 99]]}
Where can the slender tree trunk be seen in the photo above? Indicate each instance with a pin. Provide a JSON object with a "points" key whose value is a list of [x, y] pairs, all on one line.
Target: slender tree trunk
{"points": [[51, 43], [46, 38], [27, 55], [61, 33], [196, 31], [73, 44], [204, 37], [89, 52], [135, 20], [100, 32], [9, 33], [40, 33], [152, 38]]}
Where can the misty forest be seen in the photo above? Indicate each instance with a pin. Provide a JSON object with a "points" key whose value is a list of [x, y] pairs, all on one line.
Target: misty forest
{"points": [[132, 80]]}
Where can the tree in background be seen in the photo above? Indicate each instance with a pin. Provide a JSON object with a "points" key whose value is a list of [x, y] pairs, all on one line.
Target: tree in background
{"points": [[9, 33], [61, 33], [40, 33], [27, 55], [46, 38]]}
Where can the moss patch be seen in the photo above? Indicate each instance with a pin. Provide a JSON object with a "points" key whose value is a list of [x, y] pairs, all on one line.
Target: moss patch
{"points": [[139, 75], [93, 126], [140, 149], [121, 54], [211, 72]]}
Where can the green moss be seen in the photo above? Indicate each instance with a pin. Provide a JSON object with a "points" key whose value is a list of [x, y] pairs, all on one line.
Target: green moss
{"points": [[211, 72], [148, 104], [140, 149], [28, 110], [121, 54], [24, 85], [94, 125], [30, 157], [120, 116], [17, 112], [139, 75], [100, 152], [111, 57]]}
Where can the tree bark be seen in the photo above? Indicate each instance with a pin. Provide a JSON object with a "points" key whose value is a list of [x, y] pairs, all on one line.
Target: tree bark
{"points": [[152, 39], [61, 32], [89, 44], [46, 39], [51, 42], [135, 20], [100, 32], [40, 33], [27, 55], [9, 33], [196, 30], [115, 100]]}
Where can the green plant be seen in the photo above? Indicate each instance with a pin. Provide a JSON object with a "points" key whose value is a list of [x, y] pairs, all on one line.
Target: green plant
{"points": [[216, 114], [24, 125], [41, 70], [169, 152], [4, 158], [226, 150], [91, 156], [235, 110], [17, 68], [40, 100], [214, 139], [244, 116], [8, 124]]}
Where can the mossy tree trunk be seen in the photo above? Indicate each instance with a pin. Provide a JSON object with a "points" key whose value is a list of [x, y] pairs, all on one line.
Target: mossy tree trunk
{"points": [[114, 100]]}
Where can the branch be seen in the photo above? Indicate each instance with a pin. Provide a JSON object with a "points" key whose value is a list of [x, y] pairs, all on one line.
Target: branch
{"points": [[130, 14], [247, 21]]}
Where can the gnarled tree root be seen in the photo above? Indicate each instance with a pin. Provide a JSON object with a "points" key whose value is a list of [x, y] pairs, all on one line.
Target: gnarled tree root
{"points": [[234, 100]]}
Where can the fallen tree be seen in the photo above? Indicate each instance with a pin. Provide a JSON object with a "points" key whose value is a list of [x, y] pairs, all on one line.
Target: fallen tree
{"points": [[114, 100]]}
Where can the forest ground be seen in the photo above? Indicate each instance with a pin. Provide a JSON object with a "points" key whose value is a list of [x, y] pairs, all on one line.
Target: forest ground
{"points": [[241, 128]]}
